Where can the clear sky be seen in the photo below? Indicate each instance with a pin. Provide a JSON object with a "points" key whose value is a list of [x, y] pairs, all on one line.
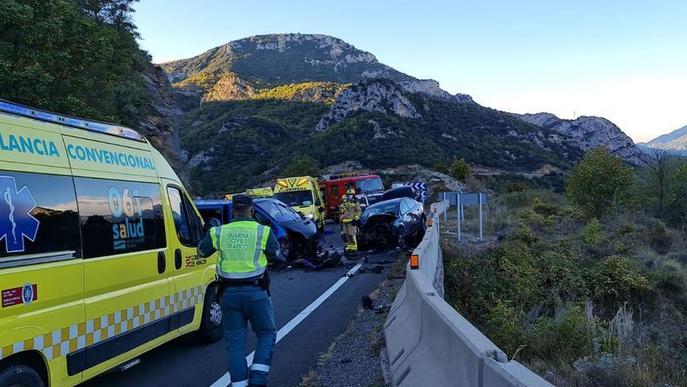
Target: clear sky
{"points": [[623, 60]]}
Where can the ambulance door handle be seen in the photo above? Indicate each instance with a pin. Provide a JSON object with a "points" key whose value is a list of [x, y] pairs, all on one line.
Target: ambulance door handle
{"points": [[177, 258], [161, 262]]}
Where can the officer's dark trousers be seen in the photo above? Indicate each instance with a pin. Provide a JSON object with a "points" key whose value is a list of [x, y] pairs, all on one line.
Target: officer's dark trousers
{"points": [[240, 305]]}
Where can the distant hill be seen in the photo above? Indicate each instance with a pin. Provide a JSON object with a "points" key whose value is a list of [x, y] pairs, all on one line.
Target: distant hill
{"points": [[674, 142], [590, 132], [251, 106]]}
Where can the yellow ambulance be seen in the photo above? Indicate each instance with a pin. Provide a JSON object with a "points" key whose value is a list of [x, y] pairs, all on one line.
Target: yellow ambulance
{"points": [[98, 260], [303, 195]]}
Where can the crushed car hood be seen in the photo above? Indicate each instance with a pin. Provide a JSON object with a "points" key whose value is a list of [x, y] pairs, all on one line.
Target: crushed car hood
{"points": [[378, 218]]}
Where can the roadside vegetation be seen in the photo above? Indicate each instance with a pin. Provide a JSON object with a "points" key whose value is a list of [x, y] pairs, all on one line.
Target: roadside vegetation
{"points": [[74, 57], [586, 287]]}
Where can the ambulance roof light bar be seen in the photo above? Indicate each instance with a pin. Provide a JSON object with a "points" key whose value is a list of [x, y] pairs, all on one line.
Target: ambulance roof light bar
{"points": [[94, 126]]}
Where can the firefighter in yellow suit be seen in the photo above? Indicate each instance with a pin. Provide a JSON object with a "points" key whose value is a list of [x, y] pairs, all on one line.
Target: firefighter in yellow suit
{"points": [[349, 215]]}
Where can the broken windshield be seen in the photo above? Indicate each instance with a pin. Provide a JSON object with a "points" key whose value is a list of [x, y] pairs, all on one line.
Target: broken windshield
{"points": [[371, 185]]}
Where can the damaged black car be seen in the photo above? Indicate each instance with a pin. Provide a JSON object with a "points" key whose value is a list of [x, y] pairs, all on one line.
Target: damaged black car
{"points": [[397, 222]]}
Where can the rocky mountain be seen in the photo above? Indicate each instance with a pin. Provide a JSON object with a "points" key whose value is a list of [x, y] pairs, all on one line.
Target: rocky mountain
{"points": [[253, 106], [590, 132], [675, 142], [158, 118], [272, 60]]}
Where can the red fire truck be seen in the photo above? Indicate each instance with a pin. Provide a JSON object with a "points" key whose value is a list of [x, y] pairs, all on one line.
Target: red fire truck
{"points": [[333, 187]]}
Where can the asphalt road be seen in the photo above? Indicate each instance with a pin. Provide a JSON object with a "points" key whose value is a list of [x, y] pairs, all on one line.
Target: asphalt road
{"points": [[182, 362]]}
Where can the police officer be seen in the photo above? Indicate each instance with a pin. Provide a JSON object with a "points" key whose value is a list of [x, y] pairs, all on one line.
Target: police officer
{"points": [[350, 214], [245, 247]]}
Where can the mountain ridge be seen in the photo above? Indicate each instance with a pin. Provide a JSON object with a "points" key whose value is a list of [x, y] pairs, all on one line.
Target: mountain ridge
{"points": [[318, 96], [327, 58], [589, 132], [675, 140]]}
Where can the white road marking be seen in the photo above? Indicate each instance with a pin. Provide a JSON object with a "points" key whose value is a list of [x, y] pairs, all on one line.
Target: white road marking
{"points": [[225, 380]]}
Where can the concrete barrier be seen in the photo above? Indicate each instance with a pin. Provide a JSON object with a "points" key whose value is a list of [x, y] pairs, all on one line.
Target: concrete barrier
{"points": [[430, 344]]}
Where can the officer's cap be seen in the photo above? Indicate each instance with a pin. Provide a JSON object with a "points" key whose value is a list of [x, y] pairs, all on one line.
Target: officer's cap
{"points": [[242, 200]]}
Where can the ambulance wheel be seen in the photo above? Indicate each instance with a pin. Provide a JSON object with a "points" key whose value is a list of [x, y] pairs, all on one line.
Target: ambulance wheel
{"points": [[19, 375], [211, 322]]}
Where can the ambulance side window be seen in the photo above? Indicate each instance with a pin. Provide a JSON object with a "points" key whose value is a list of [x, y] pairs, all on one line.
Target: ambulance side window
{"points": [[38, 215], [188, 226], [119, 216]]}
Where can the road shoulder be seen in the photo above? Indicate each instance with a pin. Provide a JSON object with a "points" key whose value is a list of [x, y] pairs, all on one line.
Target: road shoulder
{"points": [[355, 358]]}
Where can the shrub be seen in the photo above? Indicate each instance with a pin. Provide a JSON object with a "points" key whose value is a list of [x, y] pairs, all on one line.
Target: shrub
{"points": [[544, 208], [565, 338], [503, 326], [460, 170], [616, 280], [524, 233], [516, 186], [591, 234], [561, 275], [659, 238], [672, 285], [519, 269], [599, 182]]}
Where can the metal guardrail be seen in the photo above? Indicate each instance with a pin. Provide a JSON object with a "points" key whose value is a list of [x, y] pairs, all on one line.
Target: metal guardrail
{"points": [[429, 343]]}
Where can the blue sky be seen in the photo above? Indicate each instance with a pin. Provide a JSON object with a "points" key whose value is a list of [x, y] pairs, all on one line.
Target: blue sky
{"points": [[624, 60]]}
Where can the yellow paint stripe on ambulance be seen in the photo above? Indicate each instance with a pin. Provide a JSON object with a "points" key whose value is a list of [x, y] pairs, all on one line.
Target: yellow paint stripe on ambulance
{"points": [[63, 341]]}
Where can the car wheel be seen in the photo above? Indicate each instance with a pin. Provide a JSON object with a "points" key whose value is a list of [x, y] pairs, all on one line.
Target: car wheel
{"points": [[211, 322], [19, 375]]}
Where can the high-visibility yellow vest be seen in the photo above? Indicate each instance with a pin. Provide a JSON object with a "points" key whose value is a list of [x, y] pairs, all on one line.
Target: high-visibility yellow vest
{"points": [[241, 246]]}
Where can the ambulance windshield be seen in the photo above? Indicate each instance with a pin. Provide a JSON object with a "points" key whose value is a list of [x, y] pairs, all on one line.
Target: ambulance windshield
{"points": [[295, 198]]}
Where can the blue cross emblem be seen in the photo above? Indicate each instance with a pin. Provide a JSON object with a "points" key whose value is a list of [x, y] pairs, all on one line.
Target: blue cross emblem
{"points": [[16, 221]]}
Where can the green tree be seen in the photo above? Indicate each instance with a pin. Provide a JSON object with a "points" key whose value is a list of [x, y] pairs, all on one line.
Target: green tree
{"points": [[302, 166], [77, 57], [460, 170], [599, 182]]}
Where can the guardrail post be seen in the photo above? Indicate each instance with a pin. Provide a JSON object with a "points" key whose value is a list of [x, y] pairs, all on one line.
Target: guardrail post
{"points": [[458, 213], [479, 201]]}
